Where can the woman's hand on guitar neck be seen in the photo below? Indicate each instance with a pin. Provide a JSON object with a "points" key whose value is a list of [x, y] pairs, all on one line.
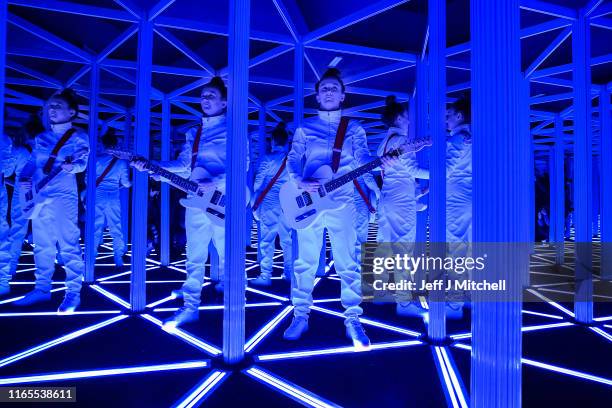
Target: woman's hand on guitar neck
{"points": [[206, 186], [139, 164], [310, 185]]}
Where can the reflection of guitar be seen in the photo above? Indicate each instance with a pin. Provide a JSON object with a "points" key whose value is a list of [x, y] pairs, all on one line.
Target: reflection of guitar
{"points": [[302, 208], [212, 202], [33, 200]]}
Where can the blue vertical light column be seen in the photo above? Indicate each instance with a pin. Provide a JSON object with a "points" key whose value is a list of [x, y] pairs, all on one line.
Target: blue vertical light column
{"points": [[235, 222], [606, 183], [496, 321], [165, 188], [557, 192], [583, 157], [90, 210], [141, 179], [124, 192], [437, 181], [527, 212], [3, 8]]}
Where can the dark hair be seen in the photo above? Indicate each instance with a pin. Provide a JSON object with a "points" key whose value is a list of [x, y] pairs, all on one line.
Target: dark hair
{"points": [[393, 109], [331, 73], [280, 134], [462, 105], [109, 139], [217, 83], [69, 96]]}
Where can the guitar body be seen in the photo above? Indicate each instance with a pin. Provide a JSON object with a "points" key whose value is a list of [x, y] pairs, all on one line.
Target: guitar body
{"points": [[32, 203], [301, 208], [211, 202]]}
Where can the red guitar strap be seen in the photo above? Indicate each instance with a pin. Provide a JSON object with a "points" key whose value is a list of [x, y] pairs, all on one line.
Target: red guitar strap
{"points": [[270, 184], [365, 198], [106, 170], [51, 161], [196, 147], [337, 151]]}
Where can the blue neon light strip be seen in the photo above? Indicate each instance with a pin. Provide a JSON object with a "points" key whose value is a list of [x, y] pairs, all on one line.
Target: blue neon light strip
{"points": [[264, 331], [194, 341], [602, 333], [111, 296], [455, 380], [58, 341], [550, 367], [103, 373], [297, 393], [371, 322], [113, 276], [21, 297], [202, 390], [450, 392], [218, 307], [550, 302], [335, 350], [261, 292], [545, 326], [542, 314], [88, 312]]}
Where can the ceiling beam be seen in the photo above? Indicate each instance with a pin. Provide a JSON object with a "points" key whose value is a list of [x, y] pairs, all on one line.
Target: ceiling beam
{"points": [[78, 9]]}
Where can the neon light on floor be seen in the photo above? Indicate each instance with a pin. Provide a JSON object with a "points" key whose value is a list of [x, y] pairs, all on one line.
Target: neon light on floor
{"points": [[218, 307], [87, 312], [264, 331], [450, 379], [542, 314], [103, 373], [210, 383], [194, 341], [602, 333], [113, 276], [603, 319], [292, 390], [160, 301], [550, 302], [261, 292], [371, 322], [111, 296], [550, 367], [545, 326], [334, 350], [59, 340], [21, 297]]}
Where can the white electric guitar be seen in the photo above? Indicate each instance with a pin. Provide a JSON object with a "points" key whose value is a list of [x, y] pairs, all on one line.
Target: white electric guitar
{"points": [[35, 199], [302, 208], [211, 202]]}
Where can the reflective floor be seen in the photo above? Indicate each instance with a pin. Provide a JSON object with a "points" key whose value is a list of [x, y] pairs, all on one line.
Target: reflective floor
{"points": [[119, 359]]}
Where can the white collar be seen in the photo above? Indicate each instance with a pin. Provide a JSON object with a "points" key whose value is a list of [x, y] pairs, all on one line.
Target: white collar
{"points": [[464, 126], [397, 131], [60, 128], [330, 116], [209, 121]]}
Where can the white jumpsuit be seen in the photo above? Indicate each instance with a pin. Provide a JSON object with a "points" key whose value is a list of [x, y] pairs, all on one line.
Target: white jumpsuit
{"points": [[19, 223], [311, 149], [108, 203], [7, 165], [459, 190], [458, 198], [271, 218], [57, 220], [397, 206], [199, 229]]}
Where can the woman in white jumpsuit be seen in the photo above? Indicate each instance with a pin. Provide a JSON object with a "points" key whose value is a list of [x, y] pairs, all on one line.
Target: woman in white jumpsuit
{"points": [[108, 199], [199, 229], [398, 205], [56, 224], [7, 164], [312, 148], [271, 219]]}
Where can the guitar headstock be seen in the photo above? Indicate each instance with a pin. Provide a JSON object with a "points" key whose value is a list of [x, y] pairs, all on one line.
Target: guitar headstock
{"points": [[414, 146], [121, 154]]}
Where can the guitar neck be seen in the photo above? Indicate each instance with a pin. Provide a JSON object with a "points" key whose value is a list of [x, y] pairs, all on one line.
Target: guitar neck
{"points": [[179, 182], [352, 175]]}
